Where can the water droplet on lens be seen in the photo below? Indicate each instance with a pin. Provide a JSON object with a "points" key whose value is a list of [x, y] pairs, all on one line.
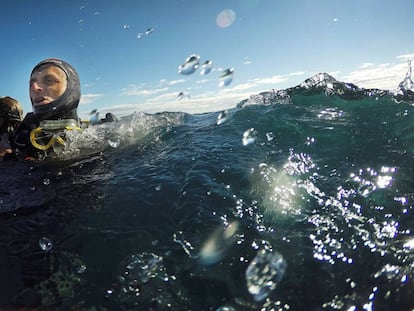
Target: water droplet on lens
{"points": [[114, 142], [82, 269], [45, 244], [249, 137], [226, 77], [216, 246], [222, 117], [182, 95], [264, 273], [108, 293], [93, 116], [225, 18], [206, 67], [270, 136], [190, 65]]}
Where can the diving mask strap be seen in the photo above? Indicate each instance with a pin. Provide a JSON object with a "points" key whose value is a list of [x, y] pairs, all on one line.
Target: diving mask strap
{"points": [[55, 129]]}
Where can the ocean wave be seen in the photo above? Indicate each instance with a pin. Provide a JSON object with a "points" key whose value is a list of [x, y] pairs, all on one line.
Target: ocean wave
{"points": [[294, 199]]}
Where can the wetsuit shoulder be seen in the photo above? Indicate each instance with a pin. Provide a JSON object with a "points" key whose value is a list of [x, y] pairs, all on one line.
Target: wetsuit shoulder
{"points": [[20, 139]]}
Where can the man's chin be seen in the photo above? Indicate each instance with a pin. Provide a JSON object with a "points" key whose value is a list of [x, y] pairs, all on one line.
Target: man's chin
{"points": [[42, 103]]}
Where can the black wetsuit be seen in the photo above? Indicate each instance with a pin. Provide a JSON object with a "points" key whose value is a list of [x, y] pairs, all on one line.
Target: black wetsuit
{"points": [[20, 140]]}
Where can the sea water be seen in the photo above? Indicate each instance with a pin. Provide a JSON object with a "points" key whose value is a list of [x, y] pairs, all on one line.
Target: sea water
{"points": [[298, 199]]}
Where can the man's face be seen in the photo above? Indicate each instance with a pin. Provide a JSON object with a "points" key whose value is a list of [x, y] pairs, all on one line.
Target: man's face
{"points": [[47, 83]]}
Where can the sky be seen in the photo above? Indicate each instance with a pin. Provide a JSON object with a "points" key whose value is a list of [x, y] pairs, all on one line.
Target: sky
{"points": [[128, 52]]}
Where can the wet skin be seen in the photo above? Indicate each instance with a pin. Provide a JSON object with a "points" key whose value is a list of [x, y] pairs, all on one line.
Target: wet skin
{"points": [[47, 83]]}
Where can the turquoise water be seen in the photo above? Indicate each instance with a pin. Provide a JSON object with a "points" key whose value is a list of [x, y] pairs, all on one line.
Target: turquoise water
{"points": [[300, 199]]}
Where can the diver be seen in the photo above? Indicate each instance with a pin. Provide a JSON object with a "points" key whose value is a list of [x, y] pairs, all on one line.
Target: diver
{"points": [[94, 117], [11, 114], [54, 94], [109, 117]]}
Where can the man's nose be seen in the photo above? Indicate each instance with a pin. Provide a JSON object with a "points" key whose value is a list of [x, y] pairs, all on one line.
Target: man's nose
{"points": [[35, 86]]}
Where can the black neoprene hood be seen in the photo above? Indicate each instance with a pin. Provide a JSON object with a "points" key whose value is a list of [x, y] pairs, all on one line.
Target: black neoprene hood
{"points": [[65, 106]]}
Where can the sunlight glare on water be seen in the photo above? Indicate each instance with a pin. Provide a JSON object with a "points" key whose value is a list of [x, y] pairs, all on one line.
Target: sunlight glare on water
{"points": [[284, 190]]}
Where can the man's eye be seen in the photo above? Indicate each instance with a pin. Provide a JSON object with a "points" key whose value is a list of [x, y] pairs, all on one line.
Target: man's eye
{"points": [[50, 80]]}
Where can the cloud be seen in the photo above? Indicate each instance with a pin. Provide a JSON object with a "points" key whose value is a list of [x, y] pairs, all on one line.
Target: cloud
{"points": [[406, 57], [176, 82], [297, 73], [153, 99], [383, 76], [366, 65], [273, 80], [206, 96], [89, 98], [134, 90]]}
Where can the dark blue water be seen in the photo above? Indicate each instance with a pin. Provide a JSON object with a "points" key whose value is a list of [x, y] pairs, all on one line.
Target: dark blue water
{"points": [[300, 199]]}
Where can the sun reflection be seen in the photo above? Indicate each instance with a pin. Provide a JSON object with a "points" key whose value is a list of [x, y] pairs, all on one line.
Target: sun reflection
{"points": [[409, 244], [369, 180]]}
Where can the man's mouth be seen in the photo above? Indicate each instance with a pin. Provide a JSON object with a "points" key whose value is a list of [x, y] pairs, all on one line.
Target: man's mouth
{"points": [[40, 101]]}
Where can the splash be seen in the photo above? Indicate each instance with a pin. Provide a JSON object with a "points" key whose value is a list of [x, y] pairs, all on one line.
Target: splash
{"points": [[407, 84]]}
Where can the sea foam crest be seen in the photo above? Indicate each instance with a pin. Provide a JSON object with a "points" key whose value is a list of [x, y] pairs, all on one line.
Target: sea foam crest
{"points": [[319, 80], [316, 84]]}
